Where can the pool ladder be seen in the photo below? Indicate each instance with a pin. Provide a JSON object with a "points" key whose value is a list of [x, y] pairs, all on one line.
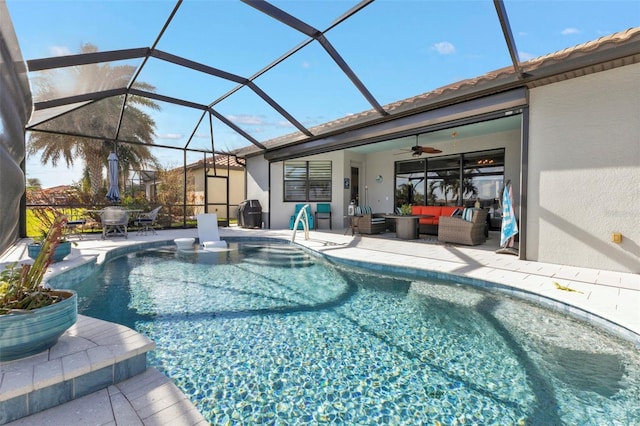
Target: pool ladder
{"points": [[302, 216]]}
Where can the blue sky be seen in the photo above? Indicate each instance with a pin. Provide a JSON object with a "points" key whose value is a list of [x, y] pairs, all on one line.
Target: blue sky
{"points": [[397, 48]]}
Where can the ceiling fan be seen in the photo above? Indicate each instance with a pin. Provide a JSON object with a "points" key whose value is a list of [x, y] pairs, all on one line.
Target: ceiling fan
{"points": [[417, 150]]}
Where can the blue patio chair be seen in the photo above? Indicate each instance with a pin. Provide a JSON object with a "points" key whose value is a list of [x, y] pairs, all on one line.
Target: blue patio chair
{"points": [[323, 211], [300, 225]]}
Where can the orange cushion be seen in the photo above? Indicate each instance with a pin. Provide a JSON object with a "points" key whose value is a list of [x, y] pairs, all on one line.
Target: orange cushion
{"points": [[435, 211]]}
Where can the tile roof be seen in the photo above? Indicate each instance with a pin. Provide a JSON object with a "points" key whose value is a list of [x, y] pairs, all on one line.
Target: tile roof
{"points": [[220, 160]]}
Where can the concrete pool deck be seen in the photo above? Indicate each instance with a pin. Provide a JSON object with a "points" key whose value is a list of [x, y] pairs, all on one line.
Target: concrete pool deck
{"points": [[602, 297]]}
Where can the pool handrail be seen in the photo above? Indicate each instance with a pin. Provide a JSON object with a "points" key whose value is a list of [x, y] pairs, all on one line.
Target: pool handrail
{"points": [[302, 216]]}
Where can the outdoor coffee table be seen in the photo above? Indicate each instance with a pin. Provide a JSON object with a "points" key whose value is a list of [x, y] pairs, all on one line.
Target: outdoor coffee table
{"points": [[407, 227]]}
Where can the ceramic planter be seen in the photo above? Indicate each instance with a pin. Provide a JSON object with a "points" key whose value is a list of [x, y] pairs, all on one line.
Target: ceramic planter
{"points": [[63, 250], [29, 332]]}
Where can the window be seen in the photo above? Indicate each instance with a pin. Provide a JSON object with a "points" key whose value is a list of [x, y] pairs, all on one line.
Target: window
{"points": [[307, 181], [482, 178], [410, 182], [443, 181]]}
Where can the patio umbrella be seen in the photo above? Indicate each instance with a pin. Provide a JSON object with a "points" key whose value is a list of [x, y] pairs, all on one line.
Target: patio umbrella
{"points": [[509, 227], [113, 194]]}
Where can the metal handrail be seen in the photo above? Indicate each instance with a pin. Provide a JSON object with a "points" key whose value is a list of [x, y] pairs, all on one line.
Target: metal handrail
{"points": [[302, 215]]}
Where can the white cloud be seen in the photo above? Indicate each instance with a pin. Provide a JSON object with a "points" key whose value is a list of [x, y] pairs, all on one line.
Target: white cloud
{"points": [[59, 51], [444, 48], [570, 31], [250, 120], [283, 123], [306, 64], [172, 136]]}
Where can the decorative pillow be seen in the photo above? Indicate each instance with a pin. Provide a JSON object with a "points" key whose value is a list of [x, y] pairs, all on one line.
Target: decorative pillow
{"points": [[467, 214], [360, 210], [456, 213]]}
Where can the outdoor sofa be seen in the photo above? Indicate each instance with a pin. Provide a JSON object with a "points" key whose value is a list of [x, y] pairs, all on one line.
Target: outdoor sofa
{"points": [[429, 225], [460, 231]]}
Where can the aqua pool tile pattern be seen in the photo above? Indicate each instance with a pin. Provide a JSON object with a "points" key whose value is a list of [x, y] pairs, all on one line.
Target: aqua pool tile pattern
{"points": [[94, 381], [50, 396]]}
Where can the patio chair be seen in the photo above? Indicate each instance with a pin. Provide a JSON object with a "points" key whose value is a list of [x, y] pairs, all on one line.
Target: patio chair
{"points": [[114, 222], [147, 221], [323, 211], [292, 220], [74, 227], [460, 231], [368, 222]]}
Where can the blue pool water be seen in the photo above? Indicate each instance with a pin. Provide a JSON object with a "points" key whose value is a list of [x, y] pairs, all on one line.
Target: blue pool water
{"points": [[266, 334]]}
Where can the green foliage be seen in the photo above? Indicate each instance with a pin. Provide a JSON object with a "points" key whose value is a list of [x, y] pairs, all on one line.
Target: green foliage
{"points": [[20, 285], [405, 209], [57, 148]]}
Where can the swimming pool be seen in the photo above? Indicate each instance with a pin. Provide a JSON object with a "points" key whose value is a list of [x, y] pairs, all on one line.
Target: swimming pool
{"points": [[267, 333]]}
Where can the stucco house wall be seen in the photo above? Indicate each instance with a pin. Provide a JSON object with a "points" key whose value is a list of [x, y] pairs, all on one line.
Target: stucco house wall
{"points": [[257, 184], [281, 211], [584, 171]]}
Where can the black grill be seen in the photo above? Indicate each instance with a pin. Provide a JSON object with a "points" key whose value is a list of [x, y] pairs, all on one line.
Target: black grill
{"points": [[250, 214]]}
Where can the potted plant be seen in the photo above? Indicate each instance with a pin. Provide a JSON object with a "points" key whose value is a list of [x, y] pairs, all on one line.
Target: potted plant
{"points": [[46, 218], [33, 317], [405, 209]]}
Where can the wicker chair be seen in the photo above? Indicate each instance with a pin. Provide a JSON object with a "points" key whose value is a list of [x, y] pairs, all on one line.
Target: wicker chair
{"points": [[369, 223], [457, 230]]}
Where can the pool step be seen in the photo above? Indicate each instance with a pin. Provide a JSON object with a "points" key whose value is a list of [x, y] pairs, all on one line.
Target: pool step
{"points": [[280, 257], [150, 398], [91, 356]]}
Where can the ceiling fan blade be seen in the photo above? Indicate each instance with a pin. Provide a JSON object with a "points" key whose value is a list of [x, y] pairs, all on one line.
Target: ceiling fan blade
{"points": [[417, 150], [430, 150]]}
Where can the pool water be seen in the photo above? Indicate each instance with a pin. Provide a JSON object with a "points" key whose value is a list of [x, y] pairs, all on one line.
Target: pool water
{"points": [[266, 334]]}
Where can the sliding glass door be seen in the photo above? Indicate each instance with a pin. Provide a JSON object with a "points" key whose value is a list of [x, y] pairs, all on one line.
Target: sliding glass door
{"points": [[410, 182], [451, 180]]}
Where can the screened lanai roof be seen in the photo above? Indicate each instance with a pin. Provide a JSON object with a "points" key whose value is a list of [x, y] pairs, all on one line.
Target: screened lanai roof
{"points": [[232, 74]]}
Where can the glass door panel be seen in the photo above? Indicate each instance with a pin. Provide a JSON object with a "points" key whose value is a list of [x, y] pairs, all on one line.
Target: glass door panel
{"points": [[443, 181]]}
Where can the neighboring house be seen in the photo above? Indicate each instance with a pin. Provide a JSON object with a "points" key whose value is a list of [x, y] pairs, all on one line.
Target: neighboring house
{"points": [[224, 185], [566, 133], [147, 180]]}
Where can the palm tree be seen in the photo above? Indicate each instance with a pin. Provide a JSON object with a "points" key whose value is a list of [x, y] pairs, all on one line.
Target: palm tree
{"points": [[98, 118]]}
